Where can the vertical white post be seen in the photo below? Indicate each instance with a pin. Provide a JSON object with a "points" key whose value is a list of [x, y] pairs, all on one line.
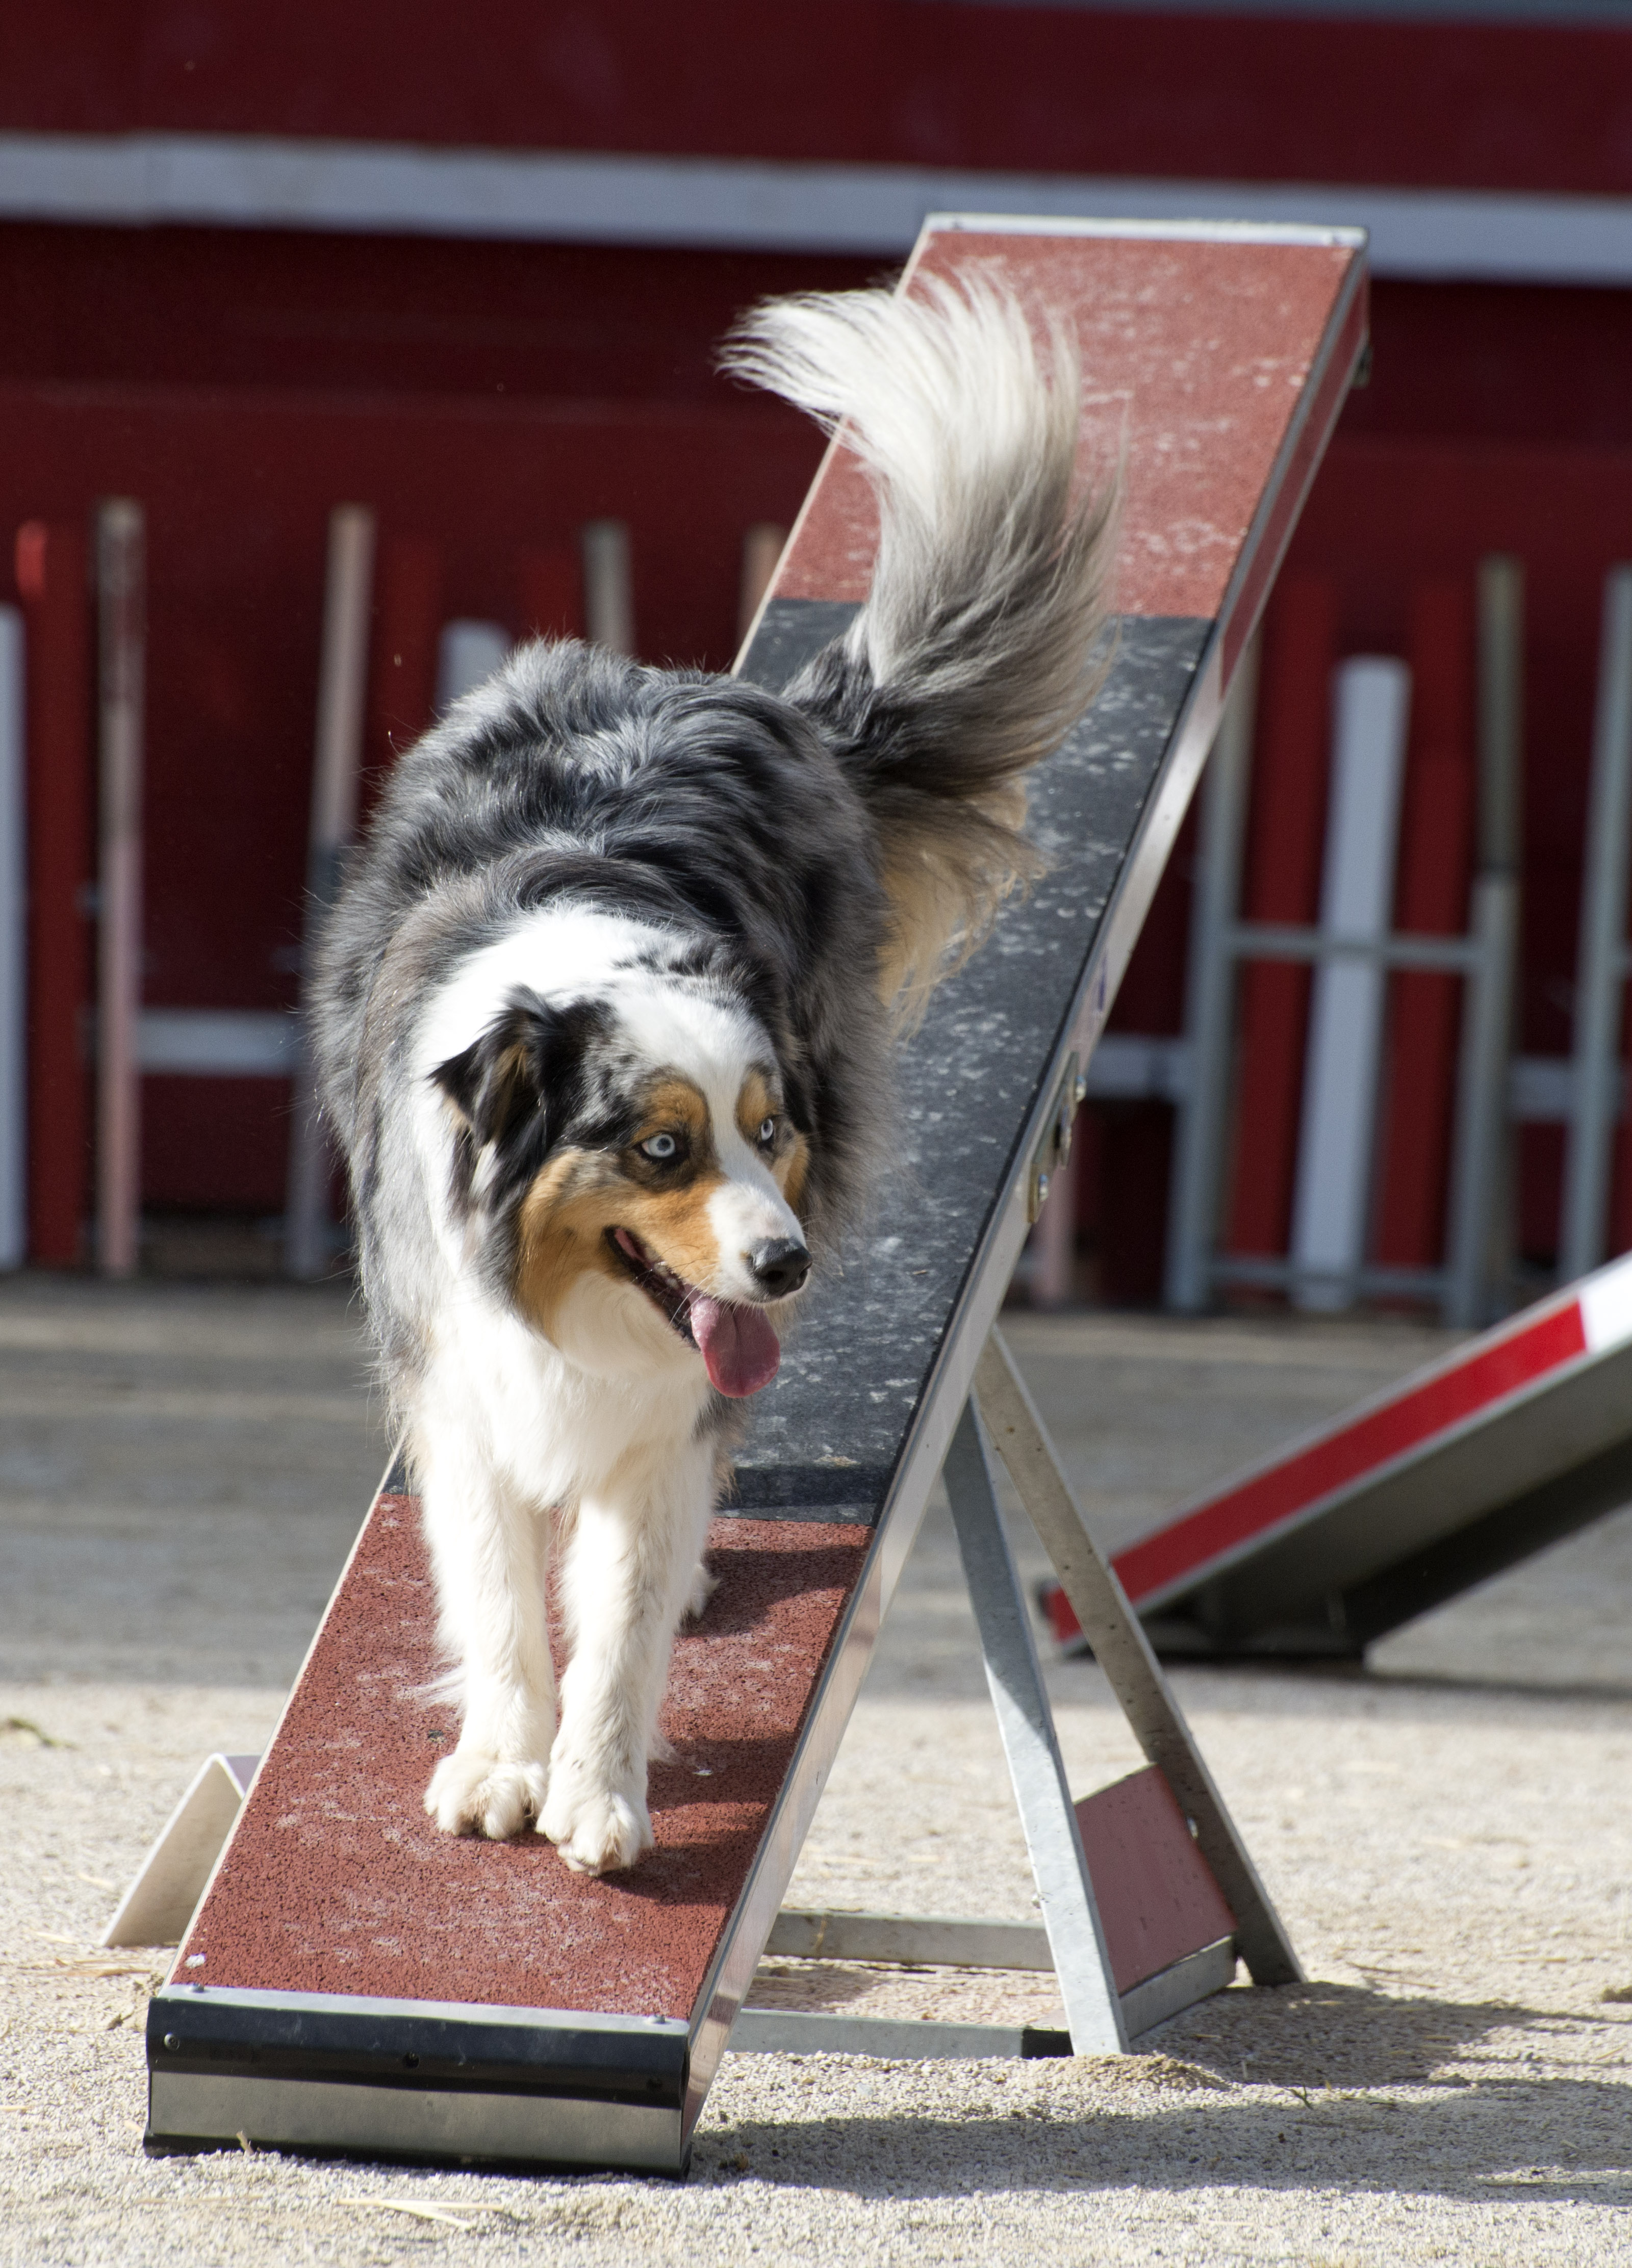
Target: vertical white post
{"points": [[1478, 1258], [1201, 1134], [121, 657], [1370, 707], [1053, 1242], [13, 947], [608, 596], [467, 655], [1597, 1081], [343, 683], [762, 549]]}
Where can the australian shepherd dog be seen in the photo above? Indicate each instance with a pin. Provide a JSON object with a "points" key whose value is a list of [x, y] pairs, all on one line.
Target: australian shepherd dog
{"points": [[605, 1016]]}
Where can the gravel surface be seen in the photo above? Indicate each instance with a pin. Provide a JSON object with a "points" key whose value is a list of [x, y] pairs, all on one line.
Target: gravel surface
{"points": [[1447, 1836]]}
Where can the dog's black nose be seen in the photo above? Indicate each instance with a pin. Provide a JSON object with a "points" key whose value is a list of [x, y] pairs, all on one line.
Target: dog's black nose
{"points": [[781, 1265]]}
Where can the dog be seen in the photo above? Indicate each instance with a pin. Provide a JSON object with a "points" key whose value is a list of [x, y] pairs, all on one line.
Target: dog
{"points": [[605, 1015]]}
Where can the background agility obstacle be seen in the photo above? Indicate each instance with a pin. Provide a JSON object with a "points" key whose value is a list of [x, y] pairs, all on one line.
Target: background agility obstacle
{"points": [[1520, 1437]]}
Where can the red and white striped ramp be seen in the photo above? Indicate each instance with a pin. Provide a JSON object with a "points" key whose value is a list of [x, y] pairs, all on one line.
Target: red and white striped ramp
{"points": [[1519, 1437]]}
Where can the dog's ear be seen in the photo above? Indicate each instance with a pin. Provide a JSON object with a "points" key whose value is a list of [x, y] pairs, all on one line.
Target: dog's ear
{"points": [[517, 1089], [492, 1084]]}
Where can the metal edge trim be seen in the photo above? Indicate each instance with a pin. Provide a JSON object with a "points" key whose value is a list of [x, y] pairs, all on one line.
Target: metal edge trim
{"points": [[1153, 2000], [773, 589], [893, 2039], [1314, 234], [933, 1940], [1156, 2000], [195, 2110], [362, 2005]]}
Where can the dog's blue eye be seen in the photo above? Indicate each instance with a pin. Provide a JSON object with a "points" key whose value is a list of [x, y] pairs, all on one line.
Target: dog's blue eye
{"points": [[767, 1133], [660, 1147]]}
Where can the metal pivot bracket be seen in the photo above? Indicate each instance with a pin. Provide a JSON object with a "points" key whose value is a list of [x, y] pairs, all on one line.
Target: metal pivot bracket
{"points": [[1055, 1146]]}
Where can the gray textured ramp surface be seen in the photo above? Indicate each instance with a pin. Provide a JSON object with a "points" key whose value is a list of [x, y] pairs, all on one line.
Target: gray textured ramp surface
{"points": [[852, 1379]]}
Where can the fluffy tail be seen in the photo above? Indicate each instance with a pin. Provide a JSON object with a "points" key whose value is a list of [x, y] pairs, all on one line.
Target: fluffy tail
{"points": [[980, 641]]}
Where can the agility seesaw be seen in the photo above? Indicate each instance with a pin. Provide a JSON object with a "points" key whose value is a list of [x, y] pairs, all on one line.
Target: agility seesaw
{"points": [[353, 1980], [1517, 1438]]}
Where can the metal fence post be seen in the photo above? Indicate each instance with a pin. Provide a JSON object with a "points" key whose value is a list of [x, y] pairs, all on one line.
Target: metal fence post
{"points": [[342, 685], [1481, 1143], [1595, 1095], [121, 627], [1209, 999]]}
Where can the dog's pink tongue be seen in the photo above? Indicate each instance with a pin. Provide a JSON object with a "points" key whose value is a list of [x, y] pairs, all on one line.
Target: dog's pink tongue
{"points": [[739, 1345]]}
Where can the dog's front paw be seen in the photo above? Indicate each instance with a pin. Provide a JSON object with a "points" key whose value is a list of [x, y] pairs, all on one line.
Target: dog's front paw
{"points": [[472, 1793], [595, 1830]]}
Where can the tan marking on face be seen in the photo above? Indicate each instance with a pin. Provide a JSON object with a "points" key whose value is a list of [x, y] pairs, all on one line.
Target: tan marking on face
{"points": [[757, 1101], [580, 1194], [674, 1225], [561, 1232], [668, 1209], [790, 1161], [672, 1105], [791, 1169]]}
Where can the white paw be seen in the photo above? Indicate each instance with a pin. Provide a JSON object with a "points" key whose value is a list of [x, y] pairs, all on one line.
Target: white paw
{"points": [[595, 1830], [472, 1793], [703, 1588]]}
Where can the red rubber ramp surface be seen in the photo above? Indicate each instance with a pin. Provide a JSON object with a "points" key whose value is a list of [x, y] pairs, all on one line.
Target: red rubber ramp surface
{"points": [[1204, 355], [336, 1882]]}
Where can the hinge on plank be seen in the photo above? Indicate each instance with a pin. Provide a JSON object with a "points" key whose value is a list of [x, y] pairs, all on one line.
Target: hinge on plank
{"points": [[1055, 1146]]}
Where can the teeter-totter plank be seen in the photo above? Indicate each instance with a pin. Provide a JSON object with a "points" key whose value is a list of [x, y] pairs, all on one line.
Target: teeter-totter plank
{"points": [[354, 1980]]}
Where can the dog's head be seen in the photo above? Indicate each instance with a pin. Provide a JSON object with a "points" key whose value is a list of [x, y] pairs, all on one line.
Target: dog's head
{"points": [[633, 1170]]}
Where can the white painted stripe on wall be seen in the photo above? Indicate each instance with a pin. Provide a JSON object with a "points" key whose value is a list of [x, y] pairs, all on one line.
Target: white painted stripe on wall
{"points": [[267, 182], [218, 1043], [468, 653], [1614, 14], [13, 947]]}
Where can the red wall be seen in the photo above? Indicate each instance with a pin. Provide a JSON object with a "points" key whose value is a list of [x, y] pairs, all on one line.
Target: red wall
{"points": [[924, 81], [490, 397]]}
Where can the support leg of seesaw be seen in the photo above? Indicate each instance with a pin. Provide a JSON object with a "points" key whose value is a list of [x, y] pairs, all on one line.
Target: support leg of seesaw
{"points": [[1079, 1853]]}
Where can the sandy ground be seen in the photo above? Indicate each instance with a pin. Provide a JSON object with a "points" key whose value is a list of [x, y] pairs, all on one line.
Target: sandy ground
{"points": [[1447, 1835]]}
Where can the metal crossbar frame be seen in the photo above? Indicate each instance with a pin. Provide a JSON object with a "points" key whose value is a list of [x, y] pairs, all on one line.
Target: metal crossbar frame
{"points": [[1484, 957]]}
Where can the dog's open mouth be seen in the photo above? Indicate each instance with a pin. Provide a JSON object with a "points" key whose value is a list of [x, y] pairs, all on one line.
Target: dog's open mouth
{"points": [[737, 1341]]}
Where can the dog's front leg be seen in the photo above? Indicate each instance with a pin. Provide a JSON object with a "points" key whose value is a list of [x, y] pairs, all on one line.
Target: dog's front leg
{"points": [[488, 1552], [627, 1580]]}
